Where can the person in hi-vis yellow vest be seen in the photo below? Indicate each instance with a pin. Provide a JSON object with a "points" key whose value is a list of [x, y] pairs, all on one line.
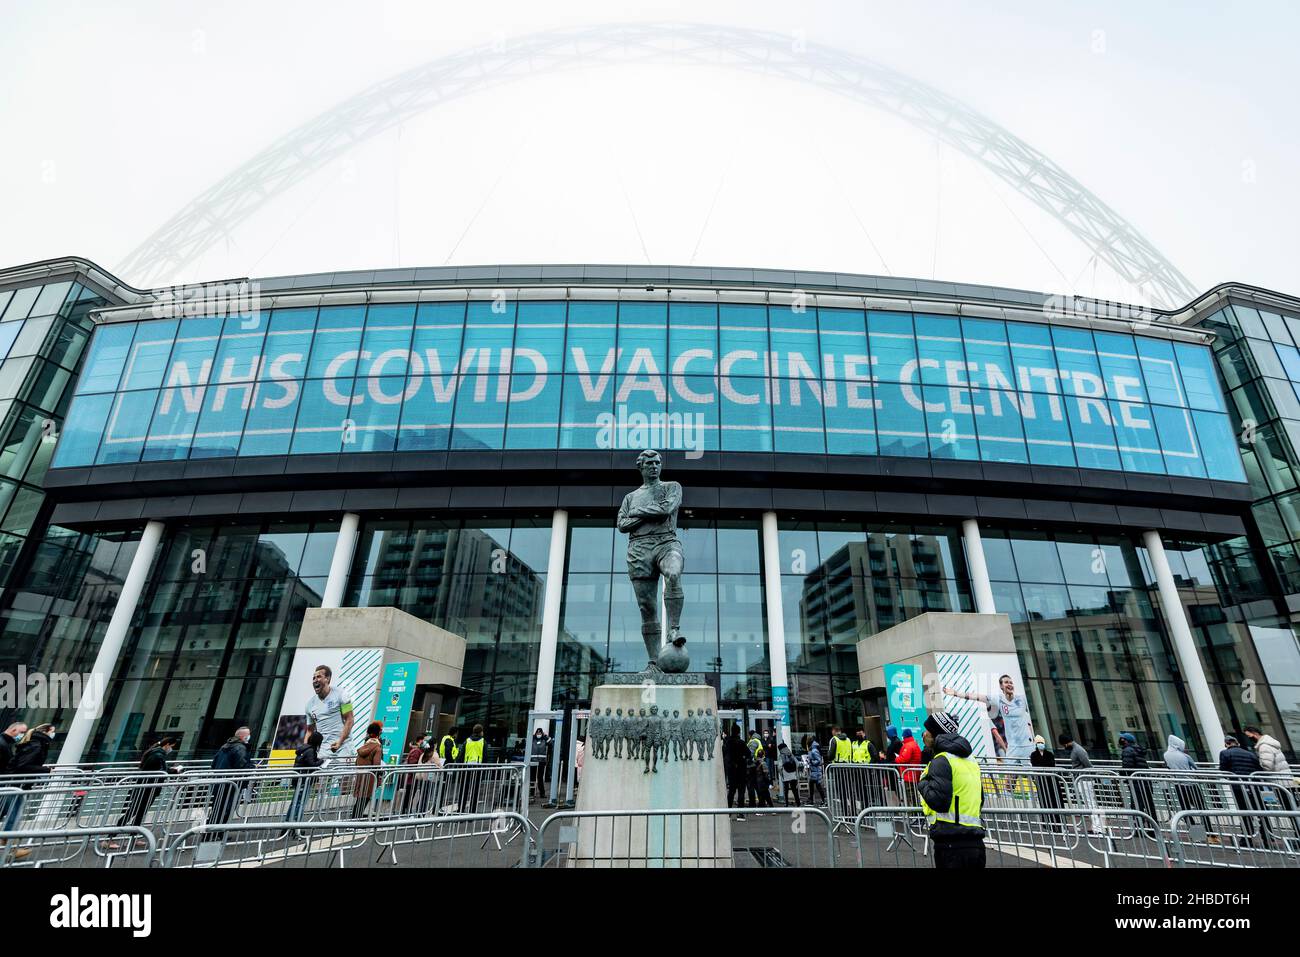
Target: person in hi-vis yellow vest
{"points": [[448, 750], [863, 750], [474, 746], [839, 747], [951, 796]]}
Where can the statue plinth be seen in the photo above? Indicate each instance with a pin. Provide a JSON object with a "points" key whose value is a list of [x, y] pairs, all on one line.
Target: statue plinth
{"points": [[639, 762]]}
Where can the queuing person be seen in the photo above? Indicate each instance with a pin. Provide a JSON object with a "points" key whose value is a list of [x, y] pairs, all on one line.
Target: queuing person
{"points": [[1133, 758], [306, 759], [369, 755], [152, 762], [11, 806], [952, 797], [769, 754], [1272, 760], [789, 774], [1050, 791], [234, 755], [910, 757], [761, 783], [541, 748], [1079, 760], [735, 760], [30, 753], [893, 744], [1237, 761], [1078, 754], [1188, 793], [815, 766]]}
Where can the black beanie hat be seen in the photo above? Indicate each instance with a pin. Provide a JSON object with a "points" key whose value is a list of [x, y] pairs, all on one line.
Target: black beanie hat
{"points": [[941, 722]]}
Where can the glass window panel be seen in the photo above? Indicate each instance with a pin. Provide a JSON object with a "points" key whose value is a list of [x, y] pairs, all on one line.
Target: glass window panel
{"points": [[79, 440], [893, 344], [128, 425], [1094, 437], [51, 299], [1219, 449], [374, 413], [534, 411], [742, 337], [322, 414], [147, 363], [695, 398], [1120, 367], [175, 419], [268, 429], [480, 419], [899, 425], [642, 339], [792, 333], [539, 337], [1139, 448], [851, 419], [1160, 372], [951, 432], [592, 340], [843, 339], [585, 400], [939, 348], [221, 421], [336, 342], [20, 306], [1199, 378], [746, 415], [797, 415], [387, 337], [109, 347], [288, 343], [1178, 441]]}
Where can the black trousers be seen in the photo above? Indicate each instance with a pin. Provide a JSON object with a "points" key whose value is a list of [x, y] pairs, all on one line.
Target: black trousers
{"points": [[963, 855], [788, 788], [736, 788], [138, 807]]}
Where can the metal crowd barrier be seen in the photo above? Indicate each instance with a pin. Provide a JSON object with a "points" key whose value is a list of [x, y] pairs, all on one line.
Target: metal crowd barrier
{"points": [[355, 843], [1253, 838], [688, 838], [80, 847], [850, 788], [1016, 837], [477, 794]]}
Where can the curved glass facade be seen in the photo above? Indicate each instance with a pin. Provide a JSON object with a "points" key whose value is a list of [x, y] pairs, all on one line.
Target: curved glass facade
{"points": [[700, 377]]}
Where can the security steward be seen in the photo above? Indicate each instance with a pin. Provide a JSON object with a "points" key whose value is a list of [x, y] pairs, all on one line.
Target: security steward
{"points": [[951, 797], [862, 749], [448, 750]]}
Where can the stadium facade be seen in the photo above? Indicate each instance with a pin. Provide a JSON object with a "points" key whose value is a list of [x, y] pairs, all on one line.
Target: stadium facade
{"points": [[185, 471]]}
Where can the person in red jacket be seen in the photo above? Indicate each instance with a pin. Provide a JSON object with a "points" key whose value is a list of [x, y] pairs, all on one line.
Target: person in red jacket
{"points": [[909, 754]]}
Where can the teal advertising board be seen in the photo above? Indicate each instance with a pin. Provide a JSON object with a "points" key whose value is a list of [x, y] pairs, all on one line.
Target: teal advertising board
{"points": [[906, 697]]}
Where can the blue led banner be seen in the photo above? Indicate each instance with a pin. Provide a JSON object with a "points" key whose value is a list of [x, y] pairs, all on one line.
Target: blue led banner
{"points": [[695, 377]]}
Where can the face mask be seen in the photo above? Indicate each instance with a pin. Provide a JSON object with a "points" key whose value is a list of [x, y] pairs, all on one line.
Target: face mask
{"points": [[1041, 747], [52, 735]]}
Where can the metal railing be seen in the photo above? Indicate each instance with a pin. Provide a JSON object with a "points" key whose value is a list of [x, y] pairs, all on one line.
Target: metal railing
{"points": [[685, 838], [1017, 837], [79, 847], [357, 843]]}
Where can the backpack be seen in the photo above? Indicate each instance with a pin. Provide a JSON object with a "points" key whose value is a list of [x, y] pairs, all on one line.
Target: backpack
{"points": [[788, 764]]}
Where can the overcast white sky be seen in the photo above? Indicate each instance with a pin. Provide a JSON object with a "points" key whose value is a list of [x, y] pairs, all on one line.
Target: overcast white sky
{"points": [[1180, 115]]}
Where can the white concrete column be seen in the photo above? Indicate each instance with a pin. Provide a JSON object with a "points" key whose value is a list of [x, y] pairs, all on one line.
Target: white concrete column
{"points": [[345, 547], [775, 621], [1189, 662], [979, 569], [110, 649], [551, 614]]}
